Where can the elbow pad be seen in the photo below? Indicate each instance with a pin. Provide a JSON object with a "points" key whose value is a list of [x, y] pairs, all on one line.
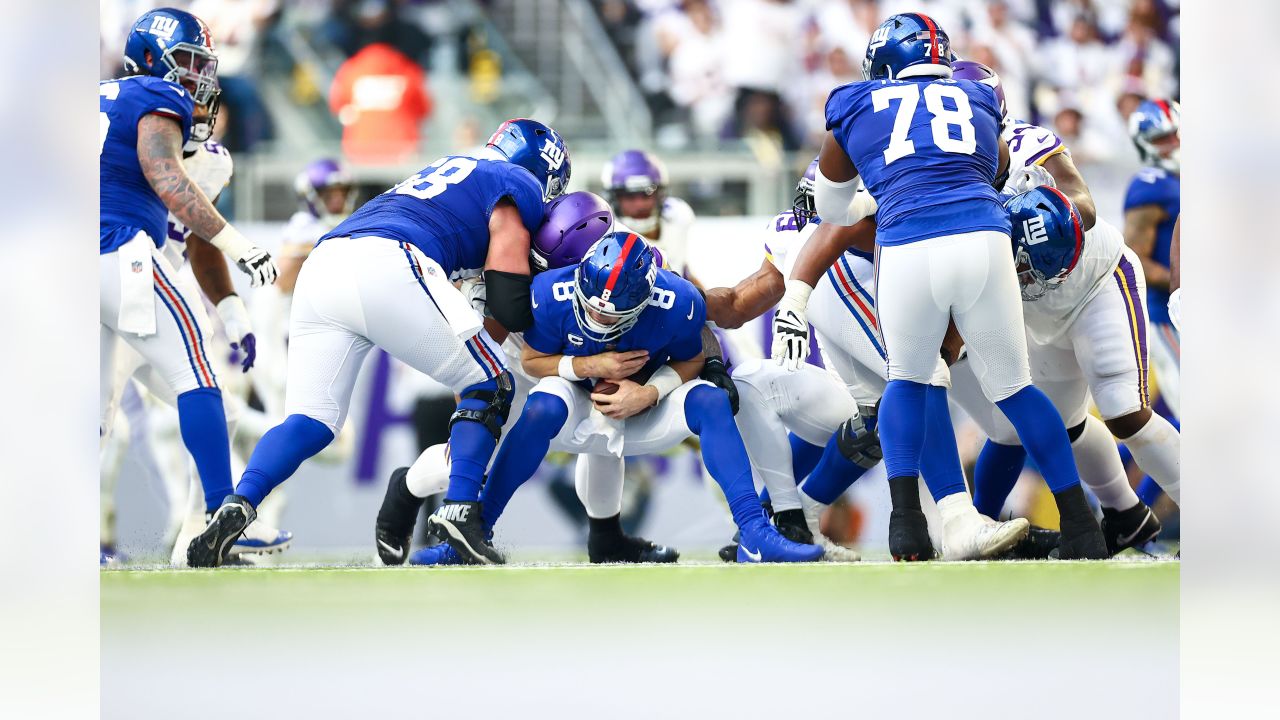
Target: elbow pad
{"points": [[843, 203], [507, 295]]}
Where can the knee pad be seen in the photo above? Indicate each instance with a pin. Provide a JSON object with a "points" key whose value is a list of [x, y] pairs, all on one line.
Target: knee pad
{"points": [[1075, 431], [486, 403], [860, 445], [545, 409]]}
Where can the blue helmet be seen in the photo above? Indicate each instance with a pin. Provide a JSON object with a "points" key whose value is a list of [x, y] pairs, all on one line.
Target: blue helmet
{"points": [[538, 149], [176, 46], [908, 45], [1047, 239], [802, 206], [1156, 120], [614, 281]]}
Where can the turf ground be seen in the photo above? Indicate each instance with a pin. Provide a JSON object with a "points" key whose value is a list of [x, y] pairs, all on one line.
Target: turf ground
{"points": [[696, 640]]}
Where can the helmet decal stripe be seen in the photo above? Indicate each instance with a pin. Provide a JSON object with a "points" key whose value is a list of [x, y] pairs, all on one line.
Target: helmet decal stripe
{"points": [[1164, 108], [1075, 222], [933, 36], [621, 262]]}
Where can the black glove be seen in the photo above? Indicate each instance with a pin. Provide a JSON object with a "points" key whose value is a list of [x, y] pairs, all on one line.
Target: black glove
{"points": [[714, 372]]}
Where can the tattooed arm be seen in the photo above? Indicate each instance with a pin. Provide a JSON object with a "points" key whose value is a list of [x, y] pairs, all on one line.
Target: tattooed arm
{"points": [[160, 155]]}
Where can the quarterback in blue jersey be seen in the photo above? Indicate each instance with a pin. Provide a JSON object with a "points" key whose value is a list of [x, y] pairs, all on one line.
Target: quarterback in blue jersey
{"points": [[144, 121], [1151, 207], [383, 277], [635, 331], [928, 149]]}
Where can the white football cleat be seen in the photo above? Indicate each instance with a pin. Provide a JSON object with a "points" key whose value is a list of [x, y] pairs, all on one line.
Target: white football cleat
{"points": [[972, 536], [261, 539], [833, 552]]}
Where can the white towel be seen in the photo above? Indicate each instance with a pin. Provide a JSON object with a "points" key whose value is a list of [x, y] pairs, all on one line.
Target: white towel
{"points": [[457, 311], [137, 292], [602, 426]]}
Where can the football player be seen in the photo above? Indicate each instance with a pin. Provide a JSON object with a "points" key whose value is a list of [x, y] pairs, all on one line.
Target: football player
{"points": [[929, 150], [1151, 207], [617, 346], [635, 184], [573, 223], [384, 277], [145, 120], [1086, 331]]}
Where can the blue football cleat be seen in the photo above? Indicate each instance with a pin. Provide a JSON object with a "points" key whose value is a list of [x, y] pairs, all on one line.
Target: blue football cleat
{"points": [[442, 554], [764, 543]]}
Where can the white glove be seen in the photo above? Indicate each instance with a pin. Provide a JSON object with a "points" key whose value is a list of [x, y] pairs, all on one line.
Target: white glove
{"points": [[1175, 309], [259, 266], [235, 321], [790, 326], [253, 260], [477, 294], [1027, 178]]}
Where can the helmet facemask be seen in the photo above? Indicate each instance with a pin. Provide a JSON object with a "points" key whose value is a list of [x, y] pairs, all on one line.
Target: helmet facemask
{"points": [[193, 67], [803, 207], [623, 319]]}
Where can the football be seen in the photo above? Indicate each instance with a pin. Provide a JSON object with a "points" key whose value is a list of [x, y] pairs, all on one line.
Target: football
{"points": [[604, 387]]}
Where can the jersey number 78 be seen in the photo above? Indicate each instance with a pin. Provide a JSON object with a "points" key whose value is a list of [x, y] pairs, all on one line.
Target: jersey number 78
{"points": [[908, 97]]}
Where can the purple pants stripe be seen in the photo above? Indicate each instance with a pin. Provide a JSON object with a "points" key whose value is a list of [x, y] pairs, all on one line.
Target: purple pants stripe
{"points": [[1127, 281]]}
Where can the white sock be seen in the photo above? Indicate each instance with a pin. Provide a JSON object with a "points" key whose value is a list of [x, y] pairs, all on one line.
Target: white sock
{"points": [[1100, 466], [598, 480], [1157, 448], [429, 474], [956, 505]]}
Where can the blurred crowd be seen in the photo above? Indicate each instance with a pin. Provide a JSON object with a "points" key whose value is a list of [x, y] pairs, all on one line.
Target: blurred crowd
{"points": [[761, 70]]}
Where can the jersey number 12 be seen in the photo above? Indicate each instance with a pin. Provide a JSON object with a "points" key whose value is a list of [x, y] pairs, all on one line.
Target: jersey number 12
{"points": [[908, 97]]}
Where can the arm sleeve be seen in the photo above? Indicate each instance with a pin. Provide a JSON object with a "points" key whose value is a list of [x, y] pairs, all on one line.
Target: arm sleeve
{"points": [[508, 299]]}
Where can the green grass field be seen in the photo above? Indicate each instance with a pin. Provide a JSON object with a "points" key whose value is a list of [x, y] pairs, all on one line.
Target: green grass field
{"points": [[541, 630]]}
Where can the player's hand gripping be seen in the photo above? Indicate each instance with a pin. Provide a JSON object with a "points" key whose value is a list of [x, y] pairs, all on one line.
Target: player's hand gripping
{"points": [[630, 399], [477, 294], [791, 327], [614, 365], [714, 372]]}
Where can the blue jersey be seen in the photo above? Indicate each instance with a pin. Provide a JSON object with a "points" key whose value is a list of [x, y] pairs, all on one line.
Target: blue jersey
{"points": [[444, 210], [670, 328], [127, 202], [930, 162], [1153, 186]]}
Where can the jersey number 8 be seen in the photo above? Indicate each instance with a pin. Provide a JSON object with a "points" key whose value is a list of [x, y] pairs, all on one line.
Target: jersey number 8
{"points": [[436, 179], [908, 97]]}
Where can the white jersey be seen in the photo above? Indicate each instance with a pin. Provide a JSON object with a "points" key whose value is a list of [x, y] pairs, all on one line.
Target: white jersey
{"points": [[304, 229], [677, 217], [1049, 317], [211, 168]]}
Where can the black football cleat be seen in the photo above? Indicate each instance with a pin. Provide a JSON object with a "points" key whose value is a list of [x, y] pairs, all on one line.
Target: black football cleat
{"points": [[393, 530], [458, 523], [1132, 528], [211, 547], [729, 553], [1039, 544], [1081, 537], [628, 549], [909, 536], [792, 526]]}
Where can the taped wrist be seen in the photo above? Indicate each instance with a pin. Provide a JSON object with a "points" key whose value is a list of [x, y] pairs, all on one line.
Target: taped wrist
{"points": [[565, 369], [665, 379], [508, 299], [231, 242]]}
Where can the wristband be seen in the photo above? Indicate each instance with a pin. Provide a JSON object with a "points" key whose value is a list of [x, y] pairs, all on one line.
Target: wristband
{"points": [[796, 295], [232, 313], [565, 369], [665, 379], [231, 242]]}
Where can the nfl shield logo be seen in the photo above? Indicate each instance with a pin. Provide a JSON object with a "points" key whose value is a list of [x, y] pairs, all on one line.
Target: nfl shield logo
{"points": [[137, 266]]}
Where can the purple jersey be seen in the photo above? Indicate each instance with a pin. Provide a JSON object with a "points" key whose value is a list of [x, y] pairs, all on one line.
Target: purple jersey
{"points": [[127, 203], [444, 210], [1153, 186], [927, 150], [670, 328]]}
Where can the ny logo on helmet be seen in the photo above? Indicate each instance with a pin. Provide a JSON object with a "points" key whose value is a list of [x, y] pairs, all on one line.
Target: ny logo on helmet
{"points": [[1033, 230], [553, 155], [163, 26], [879, 38]]}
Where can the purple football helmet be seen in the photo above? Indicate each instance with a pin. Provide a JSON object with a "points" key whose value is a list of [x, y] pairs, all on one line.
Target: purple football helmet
{"points": [[635, 171], [802, 207], [314, 179], [571, 225], [976, 71]]}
